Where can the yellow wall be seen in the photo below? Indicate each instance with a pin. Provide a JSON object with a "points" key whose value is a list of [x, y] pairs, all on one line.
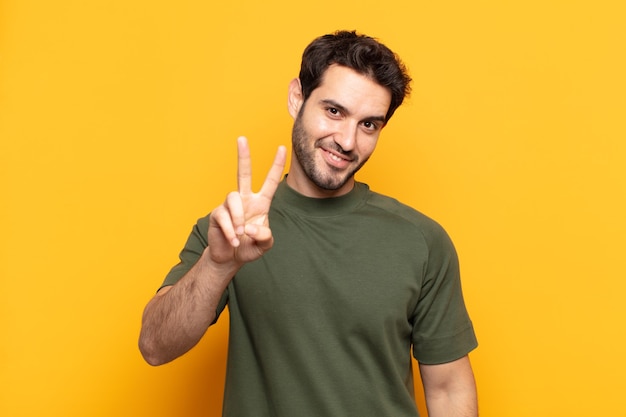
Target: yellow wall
{"points": [[118, 122]]}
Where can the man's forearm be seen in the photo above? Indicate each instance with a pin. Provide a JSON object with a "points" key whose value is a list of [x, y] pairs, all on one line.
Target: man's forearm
{"points": [[457, 404], [178, 316], [450, 389]]}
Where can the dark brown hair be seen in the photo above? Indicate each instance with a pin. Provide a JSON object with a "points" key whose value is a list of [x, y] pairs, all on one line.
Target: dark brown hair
{"points": [[361, 53]]}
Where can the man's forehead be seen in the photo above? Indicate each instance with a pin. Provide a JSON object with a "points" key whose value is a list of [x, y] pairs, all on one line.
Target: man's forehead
{"points": [[345, 87]]}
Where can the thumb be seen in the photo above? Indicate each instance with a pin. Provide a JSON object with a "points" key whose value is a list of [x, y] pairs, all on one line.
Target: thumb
{"points": [[262, 235]]}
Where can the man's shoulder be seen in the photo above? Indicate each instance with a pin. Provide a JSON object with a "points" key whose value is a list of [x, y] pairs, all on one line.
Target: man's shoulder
{"points": [[394, 206], [404, 212]]}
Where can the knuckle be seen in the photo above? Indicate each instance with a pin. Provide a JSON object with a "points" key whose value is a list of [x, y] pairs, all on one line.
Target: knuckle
{"points": [[232, 197]]}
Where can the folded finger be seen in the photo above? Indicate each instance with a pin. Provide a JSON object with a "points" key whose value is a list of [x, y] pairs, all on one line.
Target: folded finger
{"points": [[220, 218], [234, 206]]}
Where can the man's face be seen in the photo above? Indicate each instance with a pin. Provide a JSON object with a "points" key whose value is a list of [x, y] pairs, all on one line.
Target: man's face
{"points": [[335, 131]]}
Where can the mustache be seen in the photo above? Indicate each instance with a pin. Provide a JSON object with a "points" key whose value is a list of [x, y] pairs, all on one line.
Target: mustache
{"points": [[331, 145]]}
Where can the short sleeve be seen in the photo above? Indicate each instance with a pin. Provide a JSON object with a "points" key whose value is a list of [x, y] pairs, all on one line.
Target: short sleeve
{"points": [[442, 329]]}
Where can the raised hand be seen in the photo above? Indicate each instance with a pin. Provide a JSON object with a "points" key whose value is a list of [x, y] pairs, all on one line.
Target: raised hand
{"points": [[239, 229]]}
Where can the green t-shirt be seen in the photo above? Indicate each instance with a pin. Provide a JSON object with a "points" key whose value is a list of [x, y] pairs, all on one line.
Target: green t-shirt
{"points": [[324, 323]]}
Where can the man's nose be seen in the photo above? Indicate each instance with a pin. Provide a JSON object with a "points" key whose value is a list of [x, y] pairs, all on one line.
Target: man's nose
{"points": [[346, 137]]}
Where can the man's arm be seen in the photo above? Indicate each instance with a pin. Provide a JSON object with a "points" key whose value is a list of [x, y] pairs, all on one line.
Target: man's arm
{"points": [[450, 389], [178, 316]]}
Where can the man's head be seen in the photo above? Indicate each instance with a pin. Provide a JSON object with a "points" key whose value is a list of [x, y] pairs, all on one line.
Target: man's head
{"points": [[362, 54], [349, 86]]}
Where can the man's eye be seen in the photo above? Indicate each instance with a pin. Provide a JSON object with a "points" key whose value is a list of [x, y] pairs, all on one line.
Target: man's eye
{"points": [[333, 111], [370, 125]]}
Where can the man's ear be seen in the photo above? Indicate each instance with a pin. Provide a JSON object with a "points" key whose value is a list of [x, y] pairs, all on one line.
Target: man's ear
{"points": [[295, 97]]}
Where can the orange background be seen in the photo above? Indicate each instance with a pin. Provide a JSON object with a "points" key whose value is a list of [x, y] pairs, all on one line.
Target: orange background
{"points": [[118, 122]]}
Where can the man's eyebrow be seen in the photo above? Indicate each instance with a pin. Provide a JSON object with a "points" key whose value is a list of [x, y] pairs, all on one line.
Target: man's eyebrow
{"points": [[334, 104], [344, 110], [381, 119]]}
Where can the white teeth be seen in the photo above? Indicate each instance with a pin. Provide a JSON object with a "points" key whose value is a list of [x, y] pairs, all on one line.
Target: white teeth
{"points": [[334, 157]]}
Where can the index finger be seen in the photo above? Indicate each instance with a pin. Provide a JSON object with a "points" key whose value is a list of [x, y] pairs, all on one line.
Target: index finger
{"points": [[244, 166], [274, 175]]}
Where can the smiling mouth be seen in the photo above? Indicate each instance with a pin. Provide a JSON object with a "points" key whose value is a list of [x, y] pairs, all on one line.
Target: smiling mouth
{"points": [[335, 157], [336, 154], [336, 161]]}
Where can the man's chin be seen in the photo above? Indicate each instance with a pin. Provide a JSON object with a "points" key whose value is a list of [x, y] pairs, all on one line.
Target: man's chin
{"points": [[332, 184]]}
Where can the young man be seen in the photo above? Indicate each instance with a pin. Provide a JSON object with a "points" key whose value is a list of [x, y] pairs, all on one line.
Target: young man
{"points": [[324, 323]]}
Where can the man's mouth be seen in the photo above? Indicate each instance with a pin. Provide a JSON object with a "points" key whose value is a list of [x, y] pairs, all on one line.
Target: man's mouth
{"points": [[334, 157], [335, 160]]}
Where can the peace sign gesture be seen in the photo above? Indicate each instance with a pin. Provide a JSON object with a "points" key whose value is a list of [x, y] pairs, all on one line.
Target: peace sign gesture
{"points": [[239, 229]]}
